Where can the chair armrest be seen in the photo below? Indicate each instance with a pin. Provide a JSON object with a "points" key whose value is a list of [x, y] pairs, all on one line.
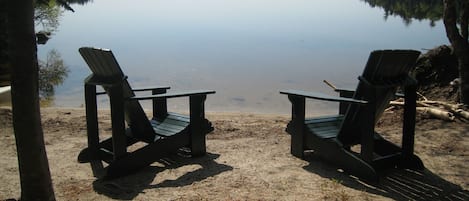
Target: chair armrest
{"points": [[320, 96], [174, 94], [351, 91], [150, 88]]}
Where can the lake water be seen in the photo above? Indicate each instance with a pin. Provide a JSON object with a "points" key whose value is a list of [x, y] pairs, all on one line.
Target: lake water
{"points": [[246, 50]]}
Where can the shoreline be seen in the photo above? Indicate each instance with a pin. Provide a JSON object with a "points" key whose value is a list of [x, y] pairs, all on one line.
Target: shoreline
{"points": [[148, 111]]}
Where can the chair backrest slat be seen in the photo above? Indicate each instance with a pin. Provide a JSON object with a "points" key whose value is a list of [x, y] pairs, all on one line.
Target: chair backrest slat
{"points": [[101, 62], [384, 67], [104, 66]]}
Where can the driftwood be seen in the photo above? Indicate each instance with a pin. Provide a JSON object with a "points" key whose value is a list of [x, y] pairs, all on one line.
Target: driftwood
{"points": [[437, 112], [438, 109], [462, 113], [448, 106]]}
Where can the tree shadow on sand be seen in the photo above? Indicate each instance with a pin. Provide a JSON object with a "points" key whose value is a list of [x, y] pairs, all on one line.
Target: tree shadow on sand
{"points": [[397, 184], [128, 187]]}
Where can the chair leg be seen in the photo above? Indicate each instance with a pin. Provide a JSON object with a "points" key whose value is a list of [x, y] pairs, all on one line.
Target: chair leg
{"points": [[197, 115], [118, 121], [409, 121], [297, 126], [91, 120], [409, 160], [368, 130]]}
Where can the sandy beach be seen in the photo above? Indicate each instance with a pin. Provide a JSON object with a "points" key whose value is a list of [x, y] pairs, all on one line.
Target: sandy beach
{"points": [[248, 159]]}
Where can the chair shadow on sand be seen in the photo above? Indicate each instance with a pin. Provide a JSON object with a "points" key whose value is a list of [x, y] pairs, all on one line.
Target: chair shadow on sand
{"points": [[397, 184], [128, 187]]}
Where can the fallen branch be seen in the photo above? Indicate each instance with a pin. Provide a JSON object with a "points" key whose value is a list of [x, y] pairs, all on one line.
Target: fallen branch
{"points": [[401, 103], [422, 96], [389, 108], [462, 113], [448, 106], [436, 112], [438, 109]]}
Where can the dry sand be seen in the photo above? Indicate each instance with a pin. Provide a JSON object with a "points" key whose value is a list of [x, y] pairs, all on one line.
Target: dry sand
{"points": [[248, 159]]}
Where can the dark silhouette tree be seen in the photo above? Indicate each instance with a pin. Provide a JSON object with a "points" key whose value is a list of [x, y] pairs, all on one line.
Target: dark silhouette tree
{"points": [[454, 12], [19, 67], [5, 72], [35, 179]]}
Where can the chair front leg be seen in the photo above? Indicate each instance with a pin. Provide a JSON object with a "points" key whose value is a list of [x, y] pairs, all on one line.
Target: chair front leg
{"points": [[92, 120], [367, 130], [410, 103], [197, 117], [119, 141], [297, 125]]}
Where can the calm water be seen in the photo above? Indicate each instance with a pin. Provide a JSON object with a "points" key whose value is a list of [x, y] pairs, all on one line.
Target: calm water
{"points": [[246, 50]]}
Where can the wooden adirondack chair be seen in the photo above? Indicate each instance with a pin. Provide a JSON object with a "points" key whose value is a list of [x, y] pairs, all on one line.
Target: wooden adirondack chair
{"points": [[332, 137], [165, 133]]}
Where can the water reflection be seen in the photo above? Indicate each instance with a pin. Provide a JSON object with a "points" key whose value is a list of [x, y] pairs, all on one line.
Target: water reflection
{"points": [[245, 50], [408, 10], [52, 73], [46, 16], [79, 2]]}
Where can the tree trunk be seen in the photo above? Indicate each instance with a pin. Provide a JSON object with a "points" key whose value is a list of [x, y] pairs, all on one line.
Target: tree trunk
{"points": [[464, 75], [36, 183], [459, 41]]}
